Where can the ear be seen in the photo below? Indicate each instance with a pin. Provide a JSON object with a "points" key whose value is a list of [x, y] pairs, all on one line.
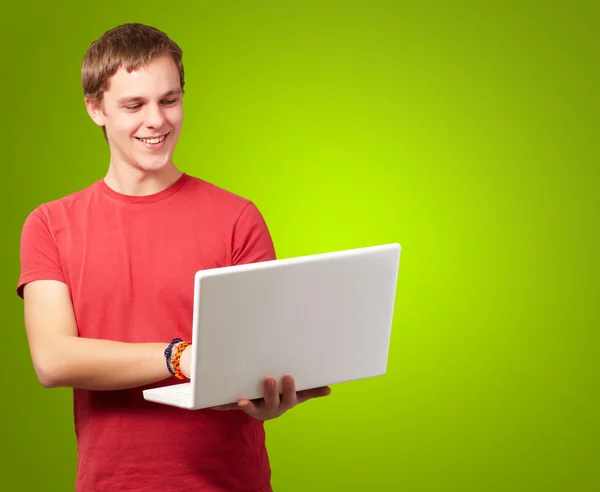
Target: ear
{"points": [[94, 109]]}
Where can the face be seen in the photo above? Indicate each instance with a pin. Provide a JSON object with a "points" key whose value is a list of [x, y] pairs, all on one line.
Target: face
{"points": [[142, 114]]}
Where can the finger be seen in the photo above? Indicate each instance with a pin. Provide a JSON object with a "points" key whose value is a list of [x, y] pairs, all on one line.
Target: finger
{"points": [[229, 406], [271, 394], [249, 407], [288, 398], [313, 393]]}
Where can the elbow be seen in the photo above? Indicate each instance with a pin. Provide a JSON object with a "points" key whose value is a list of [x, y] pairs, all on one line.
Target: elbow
{"points": [[47, 379], [47, 373], [48, 382]]}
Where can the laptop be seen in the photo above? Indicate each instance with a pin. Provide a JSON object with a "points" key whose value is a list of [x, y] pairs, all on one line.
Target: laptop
{"points": [[323, 318]]}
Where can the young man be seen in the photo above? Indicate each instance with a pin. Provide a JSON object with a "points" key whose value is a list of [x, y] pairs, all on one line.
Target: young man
{"points": [[106, 276]]}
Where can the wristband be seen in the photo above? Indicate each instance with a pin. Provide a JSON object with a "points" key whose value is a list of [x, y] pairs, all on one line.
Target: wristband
{"points": [[168, 352], [176, 357]]}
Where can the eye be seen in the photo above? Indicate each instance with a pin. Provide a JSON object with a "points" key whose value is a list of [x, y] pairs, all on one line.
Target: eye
{"points": [[133, 107], [168, 102]]}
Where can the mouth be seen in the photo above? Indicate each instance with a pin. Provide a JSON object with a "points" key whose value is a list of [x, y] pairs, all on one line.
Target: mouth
{"points": [[153, 142]]}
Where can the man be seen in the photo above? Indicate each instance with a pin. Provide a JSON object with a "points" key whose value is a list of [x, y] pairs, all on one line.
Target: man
{"points": [[106, 278]]}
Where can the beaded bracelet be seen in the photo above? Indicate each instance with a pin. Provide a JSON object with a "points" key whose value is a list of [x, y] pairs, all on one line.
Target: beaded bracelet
{"points": [[177, 356], [168, 352]]}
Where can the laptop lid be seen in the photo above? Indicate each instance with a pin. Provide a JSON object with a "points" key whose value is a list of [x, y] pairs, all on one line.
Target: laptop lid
{"points": [[323, 318]]}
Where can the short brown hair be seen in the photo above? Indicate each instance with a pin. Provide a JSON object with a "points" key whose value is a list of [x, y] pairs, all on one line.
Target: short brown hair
{"points": [[130, 46]]}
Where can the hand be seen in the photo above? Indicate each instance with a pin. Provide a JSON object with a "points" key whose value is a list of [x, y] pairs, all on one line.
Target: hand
{"points": [[272, 405]]}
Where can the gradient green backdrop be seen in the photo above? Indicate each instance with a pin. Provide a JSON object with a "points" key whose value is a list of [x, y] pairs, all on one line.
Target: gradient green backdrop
{"points": [[466, 131]]}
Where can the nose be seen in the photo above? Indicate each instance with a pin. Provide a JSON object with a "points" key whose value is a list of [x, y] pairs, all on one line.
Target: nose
{"points": [[154, 116]]}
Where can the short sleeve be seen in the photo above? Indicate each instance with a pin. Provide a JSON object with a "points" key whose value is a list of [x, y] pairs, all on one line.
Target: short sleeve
{"points": [[39, 256], [252, 240]]}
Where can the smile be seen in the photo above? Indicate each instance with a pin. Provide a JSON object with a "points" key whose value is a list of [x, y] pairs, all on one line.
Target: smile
{"points": [[154, 140], [154, 143]]}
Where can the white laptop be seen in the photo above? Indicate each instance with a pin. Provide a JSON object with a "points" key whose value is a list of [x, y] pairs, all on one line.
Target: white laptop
{"points": [[324, 319]]}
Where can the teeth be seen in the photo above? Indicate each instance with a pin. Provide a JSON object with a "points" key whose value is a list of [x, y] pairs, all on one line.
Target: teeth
{"points": [[153, 140]]}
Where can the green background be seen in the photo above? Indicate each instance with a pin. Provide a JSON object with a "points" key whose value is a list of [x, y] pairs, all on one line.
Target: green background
{"points": [[466, 131]]}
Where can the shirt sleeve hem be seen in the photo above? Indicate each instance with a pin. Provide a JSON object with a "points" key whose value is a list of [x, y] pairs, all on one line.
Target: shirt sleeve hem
{"points": [[41, 275]]}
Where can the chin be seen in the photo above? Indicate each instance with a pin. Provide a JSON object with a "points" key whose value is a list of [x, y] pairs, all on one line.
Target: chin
{"points": [[155, 164]]}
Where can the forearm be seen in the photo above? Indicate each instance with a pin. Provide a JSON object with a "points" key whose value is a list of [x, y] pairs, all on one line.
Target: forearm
{"points": [[101, 364]]}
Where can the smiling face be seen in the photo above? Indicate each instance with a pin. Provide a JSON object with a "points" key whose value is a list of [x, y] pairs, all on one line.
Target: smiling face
{"points": [[142, 114]]}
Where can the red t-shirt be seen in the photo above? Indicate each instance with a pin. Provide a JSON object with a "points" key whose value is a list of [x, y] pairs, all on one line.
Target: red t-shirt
{"points": [[129, 263]]}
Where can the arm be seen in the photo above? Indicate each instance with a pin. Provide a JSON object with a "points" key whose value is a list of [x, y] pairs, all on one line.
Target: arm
{"points": [[61, 358]]}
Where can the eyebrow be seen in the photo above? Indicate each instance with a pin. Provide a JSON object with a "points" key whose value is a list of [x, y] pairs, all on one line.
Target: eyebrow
{"points": [[130, 99]]}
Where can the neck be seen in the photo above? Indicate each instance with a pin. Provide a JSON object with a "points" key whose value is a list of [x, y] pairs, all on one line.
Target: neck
{"points": [[137, 182]]}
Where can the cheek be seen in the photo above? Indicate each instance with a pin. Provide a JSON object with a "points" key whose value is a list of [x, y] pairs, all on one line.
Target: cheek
{"points": [[130, 127], [175, 118], [125, 127]]}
